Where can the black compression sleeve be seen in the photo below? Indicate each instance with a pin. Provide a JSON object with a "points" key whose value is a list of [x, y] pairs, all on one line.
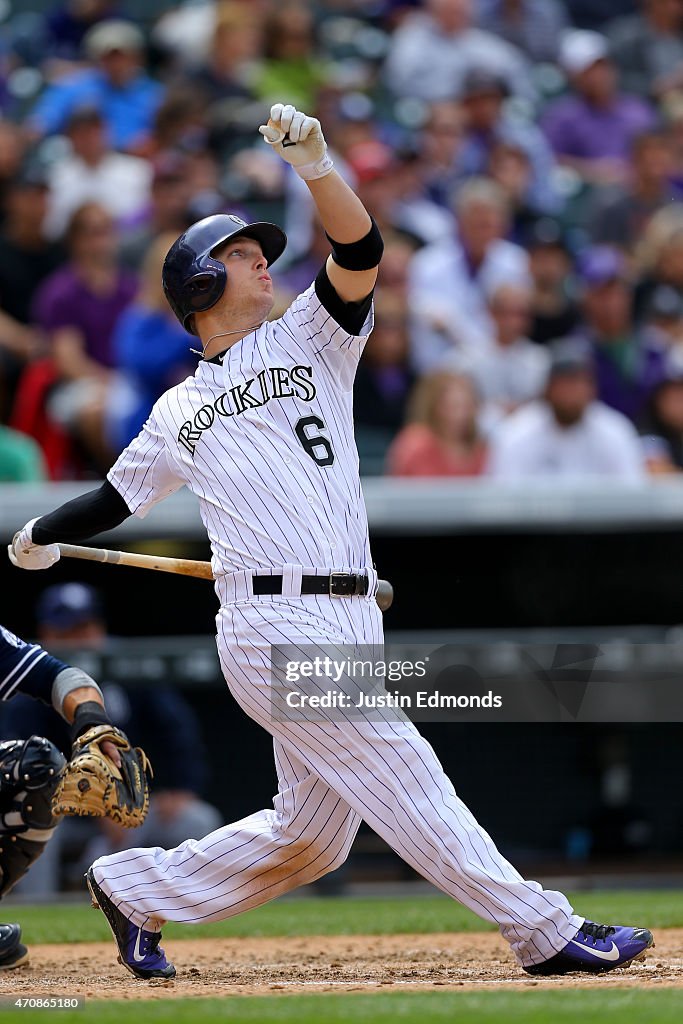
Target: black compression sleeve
{"points": [[349, 315], [82, 517], [363, 254]]}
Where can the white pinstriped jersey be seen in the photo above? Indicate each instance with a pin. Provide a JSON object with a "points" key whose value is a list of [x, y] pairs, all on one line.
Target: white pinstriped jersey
{"points": [[266, 443]]}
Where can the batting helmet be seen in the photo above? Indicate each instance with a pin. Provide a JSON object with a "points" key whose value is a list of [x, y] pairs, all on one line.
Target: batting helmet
{"points": [[193, 280]]}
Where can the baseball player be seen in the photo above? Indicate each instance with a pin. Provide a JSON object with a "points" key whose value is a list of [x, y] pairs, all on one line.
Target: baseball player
{"points": [[262, 434], [32, 770]]}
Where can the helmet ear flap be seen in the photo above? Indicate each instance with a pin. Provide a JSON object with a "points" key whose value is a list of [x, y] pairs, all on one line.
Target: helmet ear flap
{"points": [[204, 289]]}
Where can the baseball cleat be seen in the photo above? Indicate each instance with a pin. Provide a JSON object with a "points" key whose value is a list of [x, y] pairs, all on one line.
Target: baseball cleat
{"points": [[597, 948], [139, 950], [13, 953]]}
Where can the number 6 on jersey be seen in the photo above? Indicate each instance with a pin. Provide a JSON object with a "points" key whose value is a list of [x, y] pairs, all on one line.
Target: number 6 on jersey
{"points": [[312, 443]]}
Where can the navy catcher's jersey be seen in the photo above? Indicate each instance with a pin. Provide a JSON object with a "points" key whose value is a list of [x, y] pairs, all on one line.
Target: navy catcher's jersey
{"points": [[26, 668]]}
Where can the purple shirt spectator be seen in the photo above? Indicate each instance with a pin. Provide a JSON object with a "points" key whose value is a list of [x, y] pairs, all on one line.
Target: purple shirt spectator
{"points": [[628, 392], [64, 300], [576, 128], [593, 127], [628, 362]]}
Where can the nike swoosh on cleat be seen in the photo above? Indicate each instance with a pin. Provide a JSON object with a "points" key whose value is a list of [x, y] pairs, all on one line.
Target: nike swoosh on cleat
{"points": [[136, 949], [610, 954]]}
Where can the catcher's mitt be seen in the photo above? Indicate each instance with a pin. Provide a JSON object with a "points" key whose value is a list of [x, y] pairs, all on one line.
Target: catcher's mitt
{"points": [[93, 786]]}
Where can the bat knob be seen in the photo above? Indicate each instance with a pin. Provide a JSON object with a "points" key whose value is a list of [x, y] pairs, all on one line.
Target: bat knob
{"points": [[384, 595]]}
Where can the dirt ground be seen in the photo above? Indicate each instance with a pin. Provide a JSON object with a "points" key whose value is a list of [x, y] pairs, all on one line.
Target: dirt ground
{"points": [[317, 964]]}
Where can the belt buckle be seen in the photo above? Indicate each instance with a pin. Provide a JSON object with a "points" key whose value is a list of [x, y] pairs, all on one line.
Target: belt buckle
{"points": [[335, 575]]}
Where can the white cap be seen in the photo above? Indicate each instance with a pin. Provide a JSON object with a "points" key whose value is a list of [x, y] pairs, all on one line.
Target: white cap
{"points": [[580, 49], [112, 35]]}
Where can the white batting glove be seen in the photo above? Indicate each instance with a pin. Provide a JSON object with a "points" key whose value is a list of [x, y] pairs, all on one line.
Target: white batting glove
{"points": [[26, 555], [299, 140]]}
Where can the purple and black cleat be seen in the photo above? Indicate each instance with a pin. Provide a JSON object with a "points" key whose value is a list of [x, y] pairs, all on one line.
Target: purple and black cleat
{"points": [[597, 948], [139, 950], [13, 953]]}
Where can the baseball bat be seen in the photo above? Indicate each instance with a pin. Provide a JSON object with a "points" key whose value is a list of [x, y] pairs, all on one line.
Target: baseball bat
{"points": [[183, 566]]}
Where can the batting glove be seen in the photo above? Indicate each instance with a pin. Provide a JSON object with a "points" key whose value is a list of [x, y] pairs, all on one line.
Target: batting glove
{"points": [[26, 555], [299, 140]]}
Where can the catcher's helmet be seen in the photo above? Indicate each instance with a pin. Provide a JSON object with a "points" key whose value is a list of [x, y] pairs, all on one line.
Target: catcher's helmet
{"points": [[193, 280]]}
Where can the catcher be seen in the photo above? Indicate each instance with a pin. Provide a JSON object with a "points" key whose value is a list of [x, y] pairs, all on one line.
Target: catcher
{"points": [[104, 776]]}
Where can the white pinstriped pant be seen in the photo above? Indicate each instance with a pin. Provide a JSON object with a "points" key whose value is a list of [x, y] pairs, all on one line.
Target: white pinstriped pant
{"points": [[330, 775]]}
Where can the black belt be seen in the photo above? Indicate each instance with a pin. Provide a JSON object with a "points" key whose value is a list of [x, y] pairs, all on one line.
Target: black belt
{"points": [[334, 584]]}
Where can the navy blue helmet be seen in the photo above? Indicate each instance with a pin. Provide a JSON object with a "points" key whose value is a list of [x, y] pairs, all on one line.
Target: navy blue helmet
{"points": [[193, 280]]}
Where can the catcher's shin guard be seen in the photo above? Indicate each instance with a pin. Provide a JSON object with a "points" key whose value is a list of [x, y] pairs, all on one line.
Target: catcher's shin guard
{"points": [[29, 772]]}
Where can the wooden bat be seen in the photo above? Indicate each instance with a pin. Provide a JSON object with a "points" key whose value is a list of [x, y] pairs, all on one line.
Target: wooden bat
{"points": [[182, 566]]}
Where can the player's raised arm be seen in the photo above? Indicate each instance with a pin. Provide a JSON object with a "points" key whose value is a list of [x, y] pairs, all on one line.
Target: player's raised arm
{"points": [[355, 239]]}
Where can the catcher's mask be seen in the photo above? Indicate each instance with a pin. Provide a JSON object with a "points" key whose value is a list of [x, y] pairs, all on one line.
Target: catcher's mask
{"points": [[193, 280]]}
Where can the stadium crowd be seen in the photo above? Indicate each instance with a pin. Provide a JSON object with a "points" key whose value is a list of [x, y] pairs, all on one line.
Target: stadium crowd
{"points": [[523, 159]]}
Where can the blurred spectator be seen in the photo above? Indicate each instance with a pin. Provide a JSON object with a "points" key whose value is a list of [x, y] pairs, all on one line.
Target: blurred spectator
{"points": [[534, 26], [648, 48], [510, 169], [78, 307], [440, 141], [567, 434], [442, 437], [671, 109], [659, 256], [433, 49], [21, 460], [169, 208], [26, 255], [512, 370], [593, 127], [291, 66], [150, 348], [116, 84], [230, 68], [596, 13], [554, 307], [619, 215], [394, 270], [297, 277], [487, 124], [12, 147], [185, 31], [663, 318], [158, 718], [383, 381], [93, 172], [391, 185], [629, 363], [217, 100], [181, 121], [69, 21], [450, 280], [663, 423]]}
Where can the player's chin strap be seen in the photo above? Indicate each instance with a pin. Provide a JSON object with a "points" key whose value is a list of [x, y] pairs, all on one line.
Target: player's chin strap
{"points": [[224, 334]]}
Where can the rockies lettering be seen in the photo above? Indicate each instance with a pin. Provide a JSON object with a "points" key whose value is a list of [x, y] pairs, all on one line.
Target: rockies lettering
{"points": [[264, 439], [276, 382]]}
